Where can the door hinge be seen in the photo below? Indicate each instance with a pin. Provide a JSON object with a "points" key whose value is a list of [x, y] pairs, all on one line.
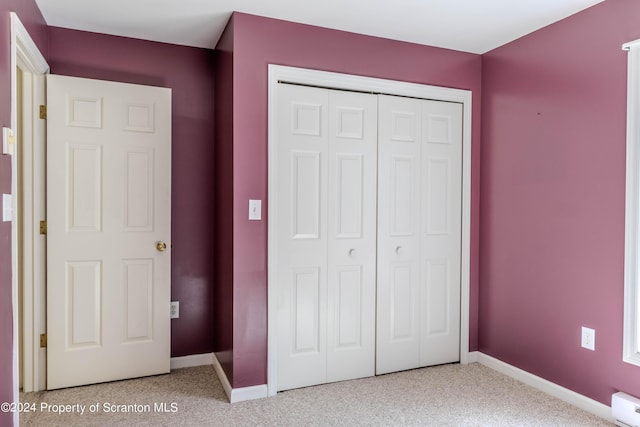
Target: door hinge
{"points": [[43, 112], [43, 227], [43, 340]]}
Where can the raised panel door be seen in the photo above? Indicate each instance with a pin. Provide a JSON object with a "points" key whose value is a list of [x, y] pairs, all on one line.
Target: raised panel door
{"points": [[441, 195], [108, 204], [398, 240], [351, 210], [303, 140]]}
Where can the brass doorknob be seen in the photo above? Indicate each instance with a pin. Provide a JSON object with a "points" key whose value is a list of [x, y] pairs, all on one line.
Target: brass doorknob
{"points": [[161, 246]]}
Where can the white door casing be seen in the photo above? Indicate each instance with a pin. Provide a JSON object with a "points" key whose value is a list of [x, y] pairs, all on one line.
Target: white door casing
{"points": [[278, 74], [327, 160], [26, 56], [34, 358], [108, 204]]}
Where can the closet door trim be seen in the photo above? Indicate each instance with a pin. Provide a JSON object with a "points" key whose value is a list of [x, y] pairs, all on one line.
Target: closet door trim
{"points": [[338, 81]]}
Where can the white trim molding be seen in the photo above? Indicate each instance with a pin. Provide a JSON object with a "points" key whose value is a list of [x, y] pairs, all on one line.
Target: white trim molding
{"points": [[191, 361], [236, 395], [631, 343], [472, 357], [585, 403], [24, 53], [325, 79]]}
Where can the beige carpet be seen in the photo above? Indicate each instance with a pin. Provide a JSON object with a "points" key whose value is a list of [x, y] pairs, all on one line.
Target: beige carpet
{"points": [[449, 395]]}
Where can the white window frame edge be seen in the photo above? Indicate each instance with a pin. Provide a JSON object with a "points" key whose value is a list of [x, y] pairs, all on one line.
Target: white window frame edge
{"points": [[25, 52], [367, 84], [631, 350]]}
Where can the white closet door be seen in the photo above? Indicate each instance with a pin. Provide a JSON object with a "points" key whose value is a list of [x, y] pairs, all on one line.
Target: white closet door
{"points": [[419, 231], [327, 164], [352, 235], [303, 146], [369, 211], [441, 232], [398, 315]]}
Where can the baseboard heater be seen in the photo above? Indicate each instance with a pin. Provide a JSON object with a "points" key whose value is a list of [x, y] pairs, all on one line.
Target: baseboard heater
{"points": [[625, 409]]}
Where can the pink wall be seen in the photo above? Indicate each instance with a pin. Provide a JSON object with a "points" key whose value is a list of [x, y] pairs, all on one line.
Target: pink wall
{"points": [[31, 18], [189, 73], [552, 206], [260, 41], [551, 218], [223, 256]]}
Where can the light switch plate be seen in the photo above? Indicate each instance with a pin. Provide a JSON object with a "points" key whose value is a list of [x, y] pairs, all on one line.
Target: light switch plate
{"points": [[8, 141], [255, 210], [7, 207]]}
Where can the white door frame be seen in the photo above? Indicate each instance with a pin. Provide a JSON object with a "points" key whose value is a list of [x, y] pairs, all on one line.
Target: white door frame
{"points": [[24, 54], [309, 77]]}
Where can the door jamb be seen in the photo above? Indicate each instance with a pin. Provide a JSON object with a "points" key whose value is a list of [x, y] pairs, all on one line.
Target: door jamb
{"points": [[25, 54], [309, 77]]}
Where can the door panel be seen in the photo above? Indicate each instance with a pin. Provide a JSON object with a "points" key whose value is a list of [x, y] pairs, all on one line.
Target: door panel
{"points": [[440, 241], [109, 202], [84, 305], [327, 176], [369, 213], [306, 322], [398, 329], [302, 243], [351, 209]]}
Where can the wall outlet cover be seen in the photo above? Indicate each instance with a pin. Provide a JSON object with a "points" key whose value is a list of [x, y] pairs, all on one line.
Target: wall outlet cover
{"points": [[175, 309], [588, 338]]}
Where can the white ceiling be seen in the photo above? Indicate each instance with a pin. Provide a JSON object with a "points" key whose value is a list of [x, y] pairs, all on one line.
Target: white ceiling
{"points": [[475, 26]]}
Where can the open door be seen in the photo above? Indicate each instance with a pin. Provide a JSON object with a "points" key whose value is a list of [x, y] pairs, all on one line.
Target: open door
{"points": [[109, 225]]}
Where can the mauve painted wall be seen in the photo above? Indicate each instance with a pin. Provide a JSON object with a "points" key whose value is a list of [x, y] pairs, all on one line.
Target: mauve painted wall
{"points": [[223, 256], [259, 41], [552, 206], [189, 73], [32, 19]]}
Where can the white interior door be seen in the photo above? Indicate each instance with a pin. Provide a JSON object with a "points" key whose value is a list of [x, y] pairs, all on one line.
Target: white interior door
{"points": [[303, 148], [369, 219], [441, 194], [398, 314], [419, 232], [352, 235], [108, 207], [326, 253]]}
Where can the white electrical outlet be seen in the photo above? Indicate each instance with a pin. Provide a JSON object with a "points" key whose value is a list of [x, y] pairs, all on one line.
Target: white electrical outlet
{"points": [[175, 309], [588, 338]]}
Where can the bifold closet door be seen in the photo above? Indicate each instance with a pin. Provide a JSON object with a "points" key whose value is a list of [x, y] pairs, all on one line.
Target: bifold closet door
{"points": [[398, 314], [327, 235], [441, 233], [419, 220]]}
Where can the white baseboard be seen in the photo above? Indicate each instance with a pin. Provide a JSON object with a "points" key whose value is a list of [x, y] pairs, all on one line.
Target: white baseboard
{"points": [[236, 395], [472, 357], [191, 361], [593, 406]]}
